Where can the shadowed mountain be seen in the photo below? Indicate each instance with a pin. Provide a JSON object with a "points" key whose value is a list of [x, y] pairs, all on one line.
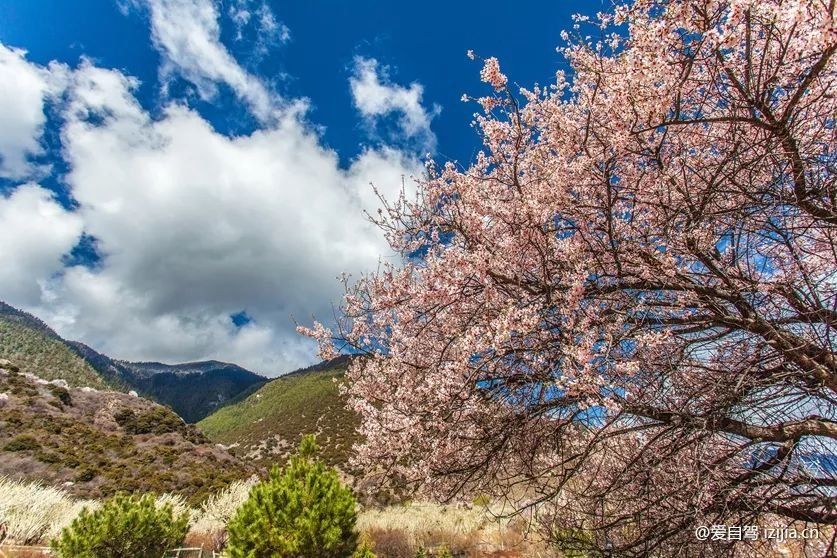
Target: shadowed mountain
{"points": [[192, 389]]}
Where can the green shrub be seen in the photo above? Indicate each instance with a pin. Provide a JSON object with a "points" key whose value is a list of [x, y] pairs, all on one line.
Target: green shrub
{"points": [[47, 457], [364, 549], [301, 511], [62, 394], [126, 526], [575, 543], [85, 475], [158, 420], [22, 443], [481, 501]]}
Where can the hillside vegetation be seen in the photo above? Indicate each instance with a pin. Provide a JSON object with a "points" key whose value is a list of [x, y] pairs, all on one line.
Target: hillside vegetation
{"points": [[265, 426], [36, 351], [98, 443]]}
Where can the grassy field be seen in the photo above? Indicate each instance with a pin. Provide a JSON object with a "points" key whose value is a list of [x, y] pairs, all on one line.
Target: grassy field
{"points": [[267, 425]]}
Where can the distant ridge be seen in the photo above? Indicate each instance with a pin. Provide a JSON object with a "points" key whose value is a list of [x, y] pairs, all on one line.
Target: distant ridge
{"points": [[193, 390], [27, 319], [339, 362], [37, 349]]}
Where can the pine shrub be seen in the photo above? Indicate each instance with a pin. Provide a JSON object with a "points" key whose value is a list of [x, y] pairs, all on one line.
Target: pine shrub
{"points": [[301, 511], [125, 527]]}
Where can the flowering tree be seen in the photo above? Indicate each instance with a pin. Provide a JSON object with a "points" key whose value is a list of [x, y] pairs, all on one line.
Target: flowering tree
{"points": [[622, 313]]}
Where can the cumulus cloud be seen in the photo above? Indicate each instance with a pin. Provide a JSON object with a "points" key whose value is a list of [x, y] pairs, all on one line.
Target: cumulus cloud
{"points": [[36, 232], [193, 226], [374, 96], [23, 90], [188, 35]]}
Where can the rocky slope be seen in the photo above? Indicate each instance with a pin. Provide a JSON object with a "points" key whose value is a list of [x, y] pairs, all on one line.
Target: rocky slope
{"points": [[96, 443]]}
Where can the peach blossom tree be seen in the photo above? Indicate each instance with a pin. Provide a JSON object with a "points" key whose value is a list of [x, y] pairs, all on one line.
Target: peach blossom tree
{"points": [[622, 314]]}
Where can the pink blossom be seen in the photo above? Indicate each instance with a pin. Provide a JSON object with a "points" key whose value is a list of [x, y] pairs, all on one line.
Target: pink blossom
{"points": [[492, 75], [627, 299]]}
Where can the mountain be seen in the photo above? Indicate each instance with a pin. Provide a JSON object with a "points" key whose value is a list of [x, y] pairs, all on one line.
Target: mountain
{"points": [[26, 319], [96, 443], [265, 426], [37, 349], [193, 390]]}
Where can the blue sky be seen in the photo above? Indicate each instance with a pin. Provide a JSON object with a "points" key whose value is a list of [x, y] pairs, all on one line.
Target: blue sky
{"points": [[181, 179], [424, 42]]}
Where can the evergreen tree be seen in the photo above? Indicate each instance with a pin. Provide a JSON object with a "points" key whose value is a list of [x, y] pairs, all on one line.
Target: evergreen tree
{"points": [[125, 527], [301, 511]]}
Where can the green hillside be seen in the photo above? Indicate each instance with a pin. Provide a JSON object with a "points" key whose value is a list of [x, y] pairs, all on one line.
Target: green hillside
{"points": [[39, 351], [267, 425]]}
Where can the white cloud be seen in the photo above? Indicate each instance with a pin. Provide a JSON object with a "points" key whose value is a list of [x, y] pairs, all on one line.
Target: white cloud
{"points": [[35, 232], [194, 226], [23, 89], [191, 225], [269, 30], [270, 27], [187, 34], [375, 97]]}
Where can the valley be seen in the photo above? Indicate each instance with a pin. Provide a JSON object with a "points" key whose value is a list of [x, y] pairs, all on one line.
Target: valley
{"points": [[78, 428], [74, 417]]}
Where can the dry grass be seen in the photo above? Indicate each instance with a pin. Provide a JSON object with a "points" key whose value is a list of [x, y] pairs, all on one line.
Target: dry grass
{"points": [[390, 543], [399, 531], [32, 513], [209, 523], [23, 552]]}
